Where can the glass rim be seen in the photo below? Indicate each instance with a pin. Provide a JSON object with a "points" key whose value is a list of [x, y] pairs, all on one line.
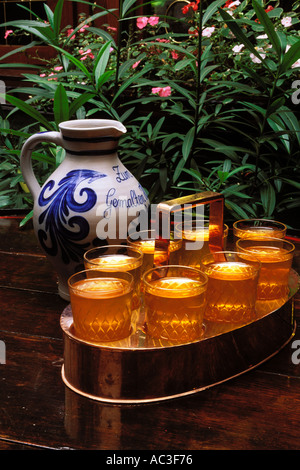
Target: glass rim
{"points": [[107, 247], [269, 221], [211, 256], [266, 239], [188, 222], [110, 274], [204, 280], [174, 244]]}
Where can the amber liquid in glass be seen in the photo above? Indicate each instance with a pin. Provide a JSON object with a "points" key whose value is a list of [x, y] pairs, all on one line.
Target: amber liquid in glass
{"points": [[122, 263], [148, 246], [192, 257], [175, 308], [275, 268], [231, 292], [259, 232], [101, 309]]}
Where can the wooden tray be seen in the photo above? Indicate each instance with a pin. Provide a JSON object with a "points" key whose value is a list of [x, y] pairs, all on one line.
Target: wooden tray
{"points": [[140, 370]]}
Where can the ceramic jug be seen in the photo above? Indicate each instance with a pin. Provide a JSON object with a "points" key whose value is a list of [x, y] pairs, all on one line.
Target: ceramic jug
{"points": [[89, 200]]}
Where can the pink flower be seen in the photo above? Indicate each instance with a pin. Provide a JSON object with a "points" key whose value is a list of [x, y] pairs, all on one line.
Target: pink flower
{"points": [[83, 28], [287, 21], [155, 90], [86, 54], [192, 5], [69, 33], [7, 33], [58, 68], [42, 75], [296, 64], [50, 75], [236, 49], [193, 32], [166, 91], [174, 55], [162, 40], [136, 64], [163, 92], [153, 20], [207, 32], [142, 22]]}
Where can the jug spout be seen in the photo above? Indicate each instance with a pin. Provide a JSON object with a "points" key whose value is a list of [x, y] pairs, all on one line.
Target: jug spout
{"points": [[92, 128]]}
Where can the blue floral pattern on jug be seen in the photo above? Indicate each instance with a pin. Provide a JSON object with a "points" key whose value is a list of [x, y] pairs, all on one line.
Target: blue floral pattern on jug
{"points": [[55, 216]]}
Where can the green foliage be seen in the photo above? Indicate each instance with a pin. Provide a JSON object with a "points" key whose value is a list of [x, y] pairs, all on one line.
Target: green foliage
{"points": [[210, 111]]}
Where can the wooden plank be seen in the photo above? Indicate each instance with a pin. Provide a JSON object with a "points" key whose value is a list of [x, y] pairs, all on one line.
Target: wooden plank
{"points": [[20, 271], [253, 411], [14, 238], [31, 313]]}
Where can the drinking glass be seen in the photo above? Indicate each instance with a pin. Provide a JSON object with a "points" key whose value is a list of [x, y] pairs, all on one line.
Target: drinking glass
{"points": [[174, 299], [258, 228], [101, 304], [146, 243], [231, 289], [195, 241], [276, 256], [117, 258]]}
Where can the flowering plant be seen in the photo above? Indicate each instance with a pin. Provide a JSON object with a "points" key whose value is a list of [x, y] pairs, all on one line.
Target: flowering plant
{"points": [[206, 109]]}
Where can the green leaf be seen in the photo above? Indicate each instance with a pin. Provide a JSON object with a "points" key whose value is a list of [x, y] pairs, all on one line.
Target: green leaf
{"points": [[126, 5], [30, 110], [181, 64], [26, 218], [188, 143], [80, 101], [57, 17], [268, 199], [61, 105], [37, 28], [49, 14], [103, 34], [20, 65], [101, 61], [16, 51], [268, 27], [296, 184], [290, 57], [128, 82], [178, 170], [275, 106], [236, 208], [163, 178], [211, 9], [76, 62]]}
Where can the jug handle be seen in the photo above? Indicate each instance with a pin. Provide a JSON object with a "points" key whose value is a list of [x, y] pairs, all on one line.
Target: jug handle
{"points": [[26, 162]]}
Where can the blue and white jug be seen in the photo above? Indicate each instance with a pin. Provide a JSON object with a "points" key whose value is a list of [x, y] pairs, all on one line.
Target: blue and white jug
{"points": [[89, 200]]}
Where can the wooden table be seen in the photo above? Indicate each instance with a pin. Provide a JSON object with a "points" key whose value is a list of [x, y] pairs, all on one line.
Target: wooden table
{"points": [[257, 410]]}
